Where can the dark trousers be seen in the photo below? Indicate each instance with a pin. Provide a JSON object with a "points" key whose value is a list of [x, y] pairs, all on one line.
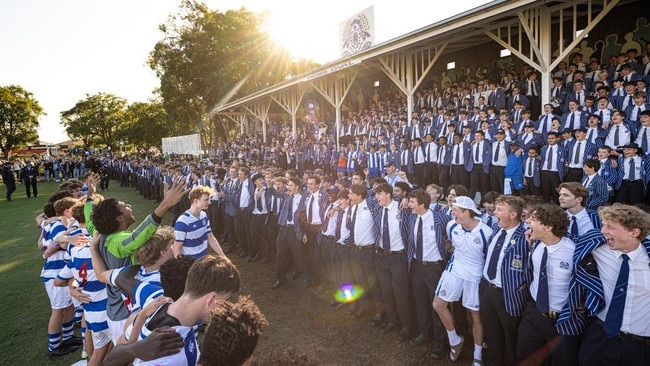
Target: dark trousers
{"points": [[362, 264], [573, 175], [342, 263], [429, 174], [11, 188], [539, 342], [424, 280], [286, 243], [242, 230], [418, 170], [315, 258], [550, 181], [258, 244], [272, 229], [327, 253], [230, 236], [630, 192], [30, 187], [529, 187], [443, 176], [501, 328], [597, 349], [478, 181], [497, 176], [459, 175], [392, 273]]}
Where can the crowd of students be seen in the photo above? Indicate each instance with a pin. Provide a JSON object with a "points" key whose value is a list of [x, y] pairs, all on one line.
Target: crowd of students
{"points": [[551, 264]]}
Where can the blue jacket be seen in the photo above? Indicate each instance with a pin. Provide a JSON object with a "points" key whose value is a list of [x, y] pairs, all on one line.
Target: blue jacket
{"points": [[560, 159], [487, 157], [598, 193]]}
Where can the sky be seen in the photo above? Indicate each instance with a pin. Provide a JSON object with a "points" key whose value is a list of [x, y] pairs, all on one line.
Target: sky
{"points": [[62, 50]]}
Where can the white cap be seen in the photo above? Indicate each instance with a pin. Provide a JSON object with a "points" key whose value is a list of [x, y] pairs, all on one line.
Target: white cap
{"points": [[466, 203]]}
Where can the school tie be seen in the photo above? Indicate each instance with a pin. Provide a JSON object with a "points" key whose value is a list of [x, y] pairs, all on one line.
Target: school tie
{"points": [[385, 237], [591, 135], [616, 138], [489, 221], [457, 154], [290, 210], [496, 152], [644, 139], [614, 317], [530, 167], [258, 204], [576, 156], [549, 159], [441, 150], [542, 287], [309, 209], [419, 247], [574, 227], [274, 205], [476, 152], [492, 266], [572, 121], [632, 173], [339, 220], [352, 223]]}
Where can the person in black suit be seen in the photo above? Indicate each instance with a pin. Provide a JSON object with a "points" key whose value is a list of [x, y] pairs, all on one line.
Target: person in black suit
{"points": [[29, 176], [9, 180]]}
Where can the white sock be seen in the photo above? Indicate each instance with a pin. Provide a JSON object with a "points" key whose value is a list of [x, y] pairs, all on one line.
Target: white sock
{"points": [[454, 339], [478, 352]]}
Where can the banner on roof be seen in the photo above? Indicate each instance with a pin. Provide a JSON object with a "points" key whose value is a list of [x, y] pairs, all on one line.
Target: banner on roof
{"points": [[186, 145], [357, 33]]}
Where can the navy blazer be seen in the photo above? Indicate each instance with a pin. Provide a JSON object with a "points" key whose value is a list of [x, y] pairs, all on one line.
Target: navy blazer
{"points": [[323, 202], [487, 156], [537, 167], [409, 166], [560, 156], [467, 155], [566, 119]]}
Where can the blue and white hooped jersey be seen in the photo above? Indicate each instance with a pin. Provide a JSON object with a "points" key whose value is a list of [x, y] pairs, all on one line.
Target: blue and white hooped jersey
{"points": [[56, 261], [139, 297], [188, 356], [80, 267], [193, 233]]}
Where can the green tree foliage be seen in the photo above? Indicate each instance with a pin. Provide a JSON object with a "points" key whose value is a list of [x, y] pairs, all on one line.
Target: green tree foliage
{"points": [[208, 58], [95, 119], [19, 113], [145, 125]]}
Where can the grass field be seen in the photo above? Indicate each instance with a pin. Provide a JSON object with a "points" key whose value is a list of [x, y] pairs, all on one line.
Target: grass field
{"points": [[297, 316]]}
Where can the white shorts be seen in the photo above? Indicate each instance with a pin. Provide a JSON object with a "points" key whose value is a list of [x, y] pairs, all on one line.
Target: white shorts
{"points": [[59, 296], [451, 287], [101, 338], [116, 328]]}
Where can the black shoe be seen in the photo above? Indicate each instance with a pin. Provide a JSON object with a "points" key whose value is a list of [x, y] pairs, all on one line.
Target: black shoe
{"points": [[74, 341], [278, 284], [62, 350], [438, 352], [376, 320], [404, 334], [388, 328], [419, 340]]}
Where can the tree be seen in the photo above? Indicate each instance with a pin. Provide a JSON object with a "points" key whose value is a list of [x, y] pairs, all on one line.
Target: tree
{"points": [[19, 113], [95, 119], [208, 58], [145, 125]]}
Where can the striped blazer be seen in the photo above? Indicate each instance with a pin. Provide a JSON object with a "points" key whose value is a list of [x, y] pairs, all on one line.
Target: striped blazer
{"points": [[585, 287], [514, 272], [440, 222]]}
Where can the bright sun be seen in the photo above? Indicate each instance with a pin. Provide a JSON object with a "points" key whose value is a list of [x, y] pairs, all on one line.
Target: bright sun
{"points": [[297, 34]]}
